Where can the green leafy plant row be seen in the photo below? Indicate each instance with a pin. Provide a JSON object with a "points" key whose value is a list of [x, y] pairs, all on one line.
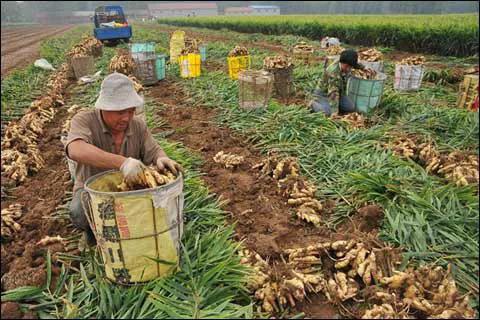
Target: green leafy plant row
{"points": [[211, 280], [432, 219], [455, 35]]}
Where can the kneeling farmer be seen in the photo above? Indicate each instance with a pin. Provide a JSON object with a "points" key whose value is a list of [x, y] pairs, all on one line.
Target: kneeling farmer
{"points": [[110, 137], [330, 94]]}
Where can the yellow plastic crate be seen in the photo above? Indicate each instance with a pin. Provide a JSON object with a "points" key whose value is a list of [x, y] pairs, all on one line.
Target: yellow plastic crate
{"points": [[237, 64], [189, 65]]}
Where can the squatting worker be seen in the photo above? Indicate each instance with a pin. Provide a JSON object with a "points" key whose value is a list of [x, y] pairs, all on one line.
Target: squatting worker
{"points": [[330, 94], [110, 137]]}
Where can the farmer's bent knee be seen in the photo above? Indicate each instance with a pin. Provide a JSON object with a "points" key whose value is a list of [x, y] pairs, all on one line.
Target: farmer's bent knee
{"points": [[77, 212], [346, 105]]}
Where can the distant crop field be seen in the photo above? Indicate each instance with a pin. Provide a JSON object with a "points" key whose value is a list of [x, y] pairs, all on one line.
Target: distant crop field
{"points": [[455, 35], [19, 24]]}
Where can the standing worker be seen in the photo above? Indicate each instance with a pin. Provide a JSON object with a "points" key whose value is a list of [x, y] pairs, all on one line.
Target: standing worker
{"points": [[110, 137], [330, 94]]}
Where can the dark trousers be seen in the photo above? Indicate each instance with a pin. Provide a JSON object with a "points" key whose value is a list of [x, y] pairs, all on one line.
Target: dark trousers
{"points": [[322, 104], [78, 216]]}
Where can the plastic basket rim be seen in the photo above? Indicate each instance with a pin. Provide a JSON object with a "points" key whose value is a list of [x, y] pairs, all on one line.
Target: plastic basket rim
{"points": [[371, 80], [381, 61], [410, 65], [126, 193], [243, 56], [143, 43], [261, 72], [290, 68]]}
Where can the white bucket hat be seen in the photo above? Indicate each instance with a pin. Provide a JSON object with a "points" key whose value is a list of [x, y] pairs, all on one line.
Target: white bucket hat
{"points": [[117, 93]]}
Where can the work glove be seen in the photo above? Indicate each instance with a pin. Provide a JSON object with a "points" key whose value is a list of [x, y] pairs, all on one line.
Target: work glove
{"points": [[132, 170], [167, 163]]}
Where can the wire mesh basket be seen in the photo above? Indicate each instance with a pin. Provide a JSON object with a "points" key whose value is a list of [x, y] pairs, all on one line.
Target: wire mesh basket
{"points": [[408, 77], [302, 56], [283, 81], [377, 66], [145, 68], [70, 72], [83, 66], [254, 89]]}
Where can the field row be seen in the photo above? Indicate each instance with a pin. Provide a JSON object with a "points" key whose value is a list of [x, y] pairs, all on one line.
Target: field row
{"points": [[347, 164], [368, 193], [456, 35]]}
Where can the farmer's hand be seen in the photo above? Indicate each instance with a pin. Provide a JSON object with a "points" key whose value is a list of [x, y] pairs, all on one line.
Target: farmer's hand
{"points": [[132, 169], [167, 163], [333, 95]]}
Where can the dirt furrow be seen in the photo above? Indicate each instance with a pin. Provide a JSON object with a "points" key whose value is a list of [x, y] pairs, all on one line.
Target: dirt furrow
{"points": [[7, 37], [26, 54], [10, 32], [22, 260], [24, 42], [264, 221], [23, 35]]}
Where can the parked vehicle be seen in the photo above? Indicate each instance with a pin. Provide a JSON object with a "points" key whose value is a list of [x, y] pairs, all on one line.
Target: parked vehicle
{"points": [[111, 24]]}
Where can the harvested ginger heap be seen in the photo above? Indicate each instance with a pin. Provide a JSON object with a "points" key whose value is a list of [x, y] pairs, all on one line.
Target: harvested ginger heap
{"points": [[150, 178], [303, 46], [335, 50], [415, 61], [238, 51], [366, 74], [277, 62], [370, 55], [122, 62], [191, 46]]}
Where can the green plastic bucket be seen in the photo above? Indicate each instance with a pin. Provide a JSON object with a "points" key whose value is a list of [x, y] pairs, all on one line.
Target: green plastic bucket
{"points": [[366, 94], [160, 67]]}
